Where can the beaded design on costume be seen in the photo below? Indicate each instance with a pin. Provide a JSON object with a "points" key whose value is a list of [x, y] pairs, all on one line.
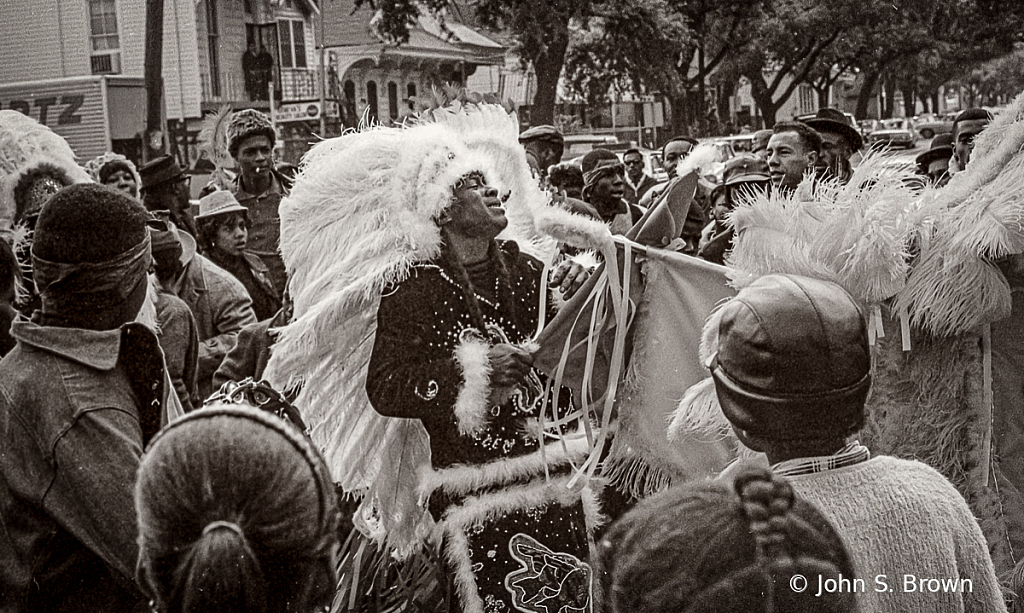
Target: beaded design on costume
{"points": [[548, 581], [428, 318]]}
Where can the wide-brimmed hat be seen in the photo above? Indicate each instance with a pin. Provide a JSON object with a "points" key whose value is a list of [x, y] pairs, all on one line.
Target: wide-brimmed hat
{"points": [[159, 171], [544, 133], [940, 147], [744, 168], [793, 360], [220, 202], [831, 120]]}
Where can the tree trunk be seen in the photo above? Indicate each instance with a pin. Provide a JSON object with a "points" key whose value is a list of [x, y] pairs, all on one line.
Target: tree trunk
{"points": [[866, 92], [153, 67], [822, 95], [762, 98], [548, 66], [925, 102], [909, 101], [887, 91]]}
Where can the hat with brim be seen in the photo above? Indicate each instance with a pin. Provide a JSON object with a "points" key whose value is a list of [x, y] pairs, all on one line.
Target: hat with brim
{"points": [[745, 168], [163, 231], [941, 147], [220, 202], [543, 133], [159, 171], [831, 120]]}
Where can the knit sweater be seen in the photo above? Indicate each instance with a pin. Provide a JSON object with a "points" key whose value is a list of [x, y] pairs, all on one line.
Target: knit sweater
{"points": [[905, 524]]}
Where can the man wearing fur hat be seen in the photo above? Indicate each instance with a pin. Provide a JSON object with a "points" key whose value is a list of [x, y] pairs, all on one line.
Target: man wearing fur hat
{"points": [[81, 394], [259, 187], [791, 365]]}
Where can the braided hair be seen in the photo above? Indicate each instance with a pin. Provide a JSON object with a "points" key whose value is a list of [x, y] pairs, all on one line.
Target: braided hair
{"points": [[710, 548]]}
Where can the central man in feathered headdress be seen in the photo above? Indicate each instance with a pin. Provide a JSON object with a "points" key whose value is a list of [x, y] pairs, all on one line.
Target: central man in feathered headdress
{"points": [[411, 343]]}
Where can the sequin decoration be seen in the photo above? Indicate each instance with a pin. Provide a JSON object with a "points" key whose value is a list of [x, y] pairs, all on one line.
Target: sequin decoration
{"points": [[548, 581], [430, 393]]}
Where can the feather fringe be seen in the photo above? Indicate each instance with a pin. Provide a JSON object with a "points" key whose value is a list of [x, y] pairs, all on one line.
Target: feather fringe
{"points": [[701, 159], [471, 407], [698, 415]]}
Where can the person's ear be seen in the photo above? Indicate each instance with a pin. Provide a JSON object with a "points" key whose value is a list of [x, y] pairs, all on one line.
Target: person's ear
{"points": [[812, 158]]}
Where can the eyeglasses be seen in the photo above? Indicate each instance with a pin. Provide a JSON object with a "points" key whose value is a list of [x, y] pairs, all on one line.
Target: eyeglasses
{"points": [[634, 162]]}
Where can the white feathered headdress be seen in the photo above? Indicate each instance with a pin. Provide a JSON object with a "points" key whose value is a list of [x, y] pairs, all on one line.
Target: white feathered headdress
{"points": [[360, 214], [28, 149]]}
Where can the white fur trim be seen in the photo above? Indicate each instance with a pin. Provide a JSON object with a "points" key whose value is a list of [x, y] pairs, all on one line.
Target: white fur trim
{"points": [[576, 230], [471, 407], [476, 510], [699, 414], [460, 479], [587, 259]]}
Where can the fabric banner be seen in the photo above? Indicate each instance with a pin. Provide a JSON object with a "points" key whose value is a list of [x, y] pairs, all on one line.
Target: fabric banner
{"points": [[679, 293]]}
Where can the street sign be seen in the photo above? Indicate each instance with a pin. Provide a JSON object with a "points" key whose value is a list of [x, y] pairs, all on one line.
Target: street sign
{"points": [[304, 110]]}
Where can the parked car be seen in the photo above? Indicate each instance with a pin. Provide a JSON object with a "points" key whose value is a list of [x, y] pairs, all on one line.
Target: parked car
{"points": [[894, 133], [741, 143], [930, 126], [577, 145]]}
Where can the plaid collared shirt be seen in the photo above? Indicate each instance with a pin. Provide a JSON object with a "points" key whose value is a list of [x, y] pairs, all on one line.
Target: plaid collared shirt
{"points": [[853, 453]]}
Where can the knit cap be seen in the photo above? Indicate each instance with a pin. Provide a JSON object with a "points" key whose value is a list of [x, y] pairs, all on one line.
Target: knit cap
{"points": [[246, 123]]}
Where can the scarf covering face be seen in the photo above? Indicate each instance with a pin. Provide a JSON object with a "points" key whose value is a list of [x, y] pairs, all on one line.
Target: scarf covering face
{"points": [[94, 285]]}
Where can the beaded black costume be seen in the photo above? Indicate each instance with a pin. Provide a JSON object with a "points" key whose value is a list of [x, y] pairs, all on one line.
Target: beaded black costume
{"points": [[514, 541]]}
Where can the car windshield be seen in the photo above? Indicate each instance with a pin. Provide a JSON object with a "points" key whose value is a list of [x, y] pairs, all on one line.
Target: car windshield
{"points": [[896, 124]]}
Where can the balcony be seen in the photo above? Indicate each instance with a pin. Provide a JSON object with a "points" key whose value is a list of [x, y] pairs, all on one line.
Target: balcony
{"points": [[228, 88], [292, 84], [298, 84]]}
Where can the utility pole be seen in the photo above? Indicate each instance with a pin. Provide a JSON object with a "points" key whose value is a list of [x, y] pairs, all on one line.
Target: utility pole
{"points": [[154, 137], [323, 72]]}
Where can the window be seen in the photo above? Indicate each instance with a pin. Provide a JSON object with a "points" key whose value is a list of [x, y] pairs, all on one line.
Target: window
{"points": [[106, 46], [393, 100], [411, 97], [292, 35], [371, 100], [213, 45]]}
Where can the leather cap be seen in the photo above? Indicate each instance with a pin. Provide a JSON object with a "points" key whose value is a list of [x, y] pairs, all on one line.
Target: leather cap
{"points": [[793, 360], [159, 171]]}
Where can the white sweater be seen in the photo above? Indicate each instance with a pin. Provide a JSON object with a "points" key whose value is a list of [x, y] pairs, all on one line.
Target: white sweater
{"points": [[905, 524]]}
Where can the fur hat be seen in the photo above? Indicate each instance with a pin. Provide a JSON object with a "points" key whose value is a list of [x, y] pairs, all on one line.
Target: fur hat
{"points": [[246, 123], [101, 167], [34, 163]]}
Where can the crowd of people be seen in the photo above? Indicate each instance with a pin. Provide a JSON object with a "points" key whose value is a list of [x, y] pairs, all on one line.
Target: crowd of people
{"points": [[392, 293]]}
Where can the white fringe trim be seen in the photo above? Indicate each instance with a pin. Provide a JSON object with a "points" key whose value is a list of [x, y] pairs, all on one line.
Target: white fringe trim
{"points": [[576, 230], [699, 414], [461, 479], [471, 404], [477, 510]]}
